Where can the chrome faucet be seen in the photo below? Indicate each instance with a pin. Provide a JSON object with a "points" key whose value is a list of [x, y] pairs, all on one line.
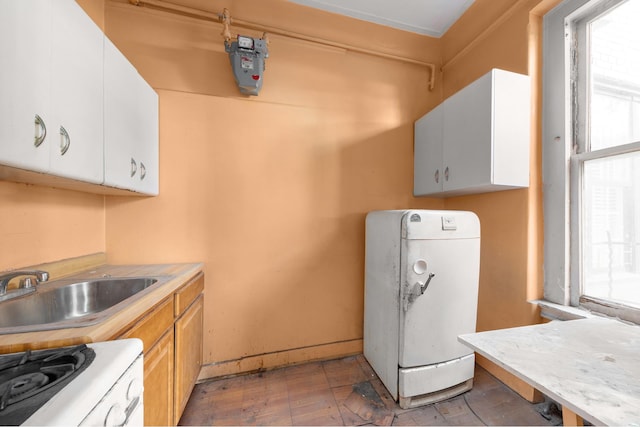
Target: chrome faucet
{"points": [[26, 284]]}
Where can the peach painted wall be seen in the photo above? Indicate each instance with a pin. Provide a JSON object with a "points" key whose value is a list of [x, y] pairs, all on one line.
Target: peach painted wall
{"points": [[497, 34], [508, 35], [271, 192], [39, 224]]}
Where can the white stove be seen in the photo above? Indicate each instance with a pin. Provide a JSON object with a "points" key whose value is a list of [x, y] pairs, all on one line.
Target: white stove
{"points": [[106, 391]]}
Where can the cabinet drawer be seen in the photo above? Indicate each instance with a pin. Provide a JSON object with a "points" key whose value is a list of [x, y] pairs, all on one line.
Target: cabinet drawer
{"points": [[152, 326], [187, 294]]}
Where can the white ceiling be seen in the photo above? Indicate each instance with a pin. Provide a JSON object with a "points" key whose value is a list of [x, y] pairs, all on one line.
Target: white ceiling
{"points": [[428, 17]]}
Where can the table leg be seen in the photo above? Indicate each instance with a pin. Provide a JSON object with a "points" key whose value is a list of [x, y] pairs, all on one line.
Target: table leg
{"points": [[569, 418]]}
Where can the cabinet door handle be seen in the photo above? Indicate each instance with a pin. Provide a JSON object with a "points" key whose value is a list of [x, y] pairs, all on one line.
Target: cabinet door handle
{"points": [[134, 167], [65, 141], [41, 131], [143, 171], [446, 174], [436, 176]]}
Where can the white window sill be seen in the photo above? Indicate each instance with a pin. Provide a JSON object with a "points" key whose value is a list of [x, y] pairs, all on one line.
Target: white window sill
{"points": [[553, 311]]}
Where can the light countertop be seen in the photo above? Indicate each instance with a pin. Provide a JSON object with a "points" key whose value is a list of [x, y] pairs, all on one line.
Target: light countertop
{"points": [[589, 366], [173, 276]]}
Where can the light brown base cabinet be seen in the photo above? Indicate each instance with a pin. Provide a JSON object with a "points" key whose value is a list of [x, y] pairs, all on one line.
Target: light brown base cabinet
{"points": [[188, 350], [171, 333], [158, 382]]}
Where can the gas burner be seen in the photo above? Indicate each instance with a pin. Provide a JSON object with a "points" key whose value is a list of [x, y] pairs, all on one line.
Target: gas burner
{"points": [[29, 379], [22, 385]]}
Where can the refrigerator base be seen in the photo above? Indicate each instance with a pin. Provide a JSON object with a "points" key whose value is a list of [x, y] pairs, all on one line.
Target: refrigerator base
{"points": [[433, 383], [437, 396]]}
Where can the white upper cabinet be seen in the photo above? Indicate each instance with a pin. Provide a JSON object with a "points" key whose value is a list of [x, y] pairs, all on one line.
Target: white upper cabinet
{"points": [[76, 92], [131, 126], [72, 106], [148, 146], [51, 84], [427, 173], [477, 140], [25, 49]]}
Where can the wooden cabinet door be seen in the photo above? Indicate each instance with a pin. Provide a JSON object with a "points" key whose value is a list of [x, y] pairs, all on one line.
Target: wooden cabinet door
{"points": [[25, 49], [188, 336], [158, 382], [156, 331]]}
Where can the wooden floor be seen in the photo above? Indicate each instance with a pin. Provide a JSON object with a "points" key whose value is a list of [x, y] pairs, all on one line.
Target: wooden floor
{"points": [[347, 392]]}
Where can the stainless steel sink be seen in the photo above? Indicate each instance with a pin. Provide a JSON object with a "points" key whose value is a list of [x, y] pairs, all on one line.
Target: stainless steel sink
{"points": [[65, 304]]}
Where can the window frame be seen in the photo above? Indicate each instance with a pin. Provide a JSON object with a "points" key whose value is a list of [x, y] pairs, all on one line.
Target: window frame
{"points": [[563, 156]]}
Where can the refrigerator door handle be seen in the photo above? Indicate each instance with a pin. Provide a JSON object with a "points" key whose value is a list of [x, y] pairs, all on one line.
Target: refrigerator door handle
{"points": [[416, 291], [426, 285]]}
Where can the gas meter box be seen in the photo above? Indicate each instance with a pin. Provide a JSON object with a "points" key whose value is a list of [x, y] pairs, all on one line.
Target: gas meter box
{"points": [[247, 56]]}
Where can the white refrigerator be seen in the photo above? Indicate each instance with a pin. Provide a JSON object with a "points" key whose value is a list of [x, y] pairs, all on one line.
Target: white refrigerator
{"points": [[421, 292]]}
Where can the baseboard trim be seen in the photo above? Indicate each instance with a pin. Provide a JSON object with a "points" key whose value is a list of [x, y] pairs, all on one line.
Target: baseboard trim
{"points": [[279, 359]]}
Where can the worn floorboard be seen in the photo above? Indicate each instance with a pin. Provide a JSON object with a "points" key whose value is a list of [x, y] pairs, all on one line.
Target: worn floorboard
{"points": [[346, 392]]}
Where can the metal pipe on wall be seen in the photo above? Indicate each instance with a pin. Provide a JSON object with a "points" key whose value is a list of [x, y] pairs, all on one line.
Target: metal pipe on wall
{"points": [[216, 17]]}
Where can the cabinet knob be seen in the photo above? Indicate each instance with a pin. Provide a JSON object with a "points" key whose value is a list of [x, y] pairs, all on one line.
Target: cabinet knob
{"points": [[436, 176], [65, 141], [134, 167], [446, 174], [41, 131], [143, 171], [135, 389], [116, 416]]}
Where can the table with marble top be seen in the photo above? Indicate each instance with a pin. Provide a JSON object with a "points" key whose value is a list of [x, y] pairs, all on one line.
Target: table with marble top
{"points": [[589, 366]]}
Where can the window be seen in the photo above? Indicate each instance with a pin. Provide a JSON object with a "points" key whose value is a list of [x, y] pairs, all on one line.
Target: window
{"points": [[591, 154]]}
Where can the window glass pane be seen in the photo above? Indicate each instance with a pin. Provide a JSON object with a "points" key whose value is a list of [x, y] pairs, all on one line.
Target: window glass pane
{"points": [[611, 229], [614, 77]]}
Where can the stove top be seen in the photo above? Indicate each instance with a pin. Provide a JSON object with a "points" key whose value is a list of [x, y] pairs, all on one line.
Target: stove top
{"points": [[31, 378]]}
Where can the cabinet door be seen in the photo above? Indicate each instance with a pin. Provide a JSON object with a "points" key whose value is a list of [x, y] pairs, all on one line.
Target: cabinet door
{"points": [[120, 116], [467, 136], [147, 148], [77, 94], [511, 129], [25, 49], [158, 382], [188, 336], [131, 126], [427, 155]]}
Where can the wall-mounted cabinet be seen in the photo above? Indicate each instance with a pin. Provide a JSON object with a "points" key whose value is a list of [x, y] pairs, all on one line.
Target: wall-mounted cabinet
{"points": [[25, 37], [51, 89], [76, 94], [57, 123], [131, 126], [477, 140]]}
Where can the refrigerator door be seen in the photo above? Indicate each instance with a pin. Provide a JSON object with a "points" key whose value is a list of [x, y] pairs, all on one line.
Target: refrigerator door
{"points": [[432, 317]]}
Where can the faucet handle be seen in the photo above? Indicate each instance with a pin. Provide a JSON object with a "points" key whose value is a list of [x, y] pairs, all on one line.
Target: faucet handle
{"points": [[27, 283], [40, 276]]}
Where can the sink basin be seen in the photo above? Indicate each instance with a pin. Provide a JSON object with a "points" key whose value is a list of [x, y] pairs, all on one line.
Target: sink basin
{"points": [[66, 304]]}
